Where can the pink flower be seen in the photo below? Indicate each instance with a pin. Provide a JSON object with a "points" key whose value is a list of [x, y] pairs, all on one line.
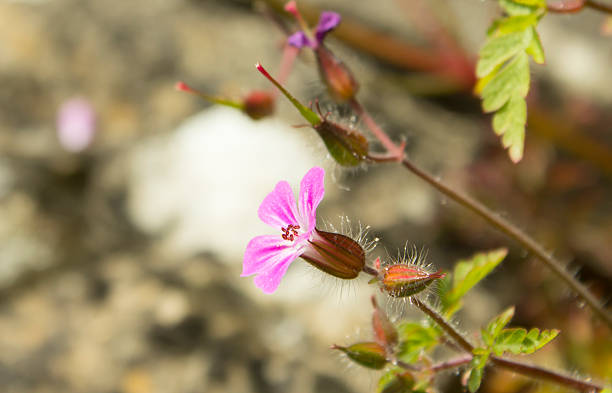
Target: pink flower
{"points": [[76, 125], [269, 256], [328, 21]]}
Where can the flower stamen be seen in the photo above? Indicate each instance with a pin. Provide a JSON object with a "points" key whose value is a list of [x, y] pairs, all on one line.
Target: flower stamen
{"points": [[290, 232]]}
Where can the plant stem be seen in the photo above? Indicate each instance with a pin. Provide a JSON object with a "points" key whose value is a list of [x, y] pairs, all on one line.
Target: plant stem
{"points": [[491, 217], [437, 318], [542, 373], [452, 363], [397, 152], [513, 365], [512, 231], [572, 6]]}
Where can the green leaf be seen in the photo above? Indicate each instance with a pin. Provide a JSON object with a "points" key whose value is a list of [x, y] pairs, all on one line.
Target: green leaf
{"points": [[536, 3], [468, 273], [477, 365], [395, 380], [499, 49], [414, 339], [519, 341], [514, 24], [475, 379], [510, 122], [513, 79], [496, 325], [514, 7], [535, 49]]}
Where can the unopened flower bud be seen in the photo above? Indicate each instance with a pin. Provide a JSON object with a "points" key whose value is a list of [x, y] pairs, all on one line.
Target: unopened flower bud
{"points": [[348, 147], [259, 104], [367, 354], [403, 280], [384, 331], [335, 254], [336, 75]]}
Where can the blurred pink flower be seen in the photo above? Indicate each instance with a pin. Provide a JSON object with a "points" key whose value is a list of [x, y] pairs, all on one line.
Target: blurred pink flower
{"points": [[76, 124], [328, 21], [269, 256]]}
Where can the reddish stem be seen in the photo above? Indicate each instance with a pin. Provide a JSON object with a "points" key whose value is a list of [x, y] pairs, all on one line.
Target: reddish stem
{"points": [[396, 153]]}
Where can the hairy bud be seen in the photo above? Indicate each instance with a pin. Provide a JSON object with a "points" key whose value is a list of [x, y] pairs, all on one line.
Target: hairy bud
{"points": [[348, 147], [339, 80], [367, 354], [335, 254], [402, 280]]}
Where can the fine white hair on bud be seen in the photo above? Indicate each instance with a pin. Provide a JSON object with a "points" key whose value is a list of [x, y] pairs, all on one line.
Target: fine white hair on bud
{"points": [[359, 232]]}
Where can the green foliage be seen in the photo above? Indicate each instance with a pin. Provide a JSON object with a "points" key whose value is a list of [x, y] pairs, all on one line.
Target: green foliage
{"points": [[395, 380], [414, 339], [467, 273], [519, 341], [496, 325], [477, 368], [503, 70]]}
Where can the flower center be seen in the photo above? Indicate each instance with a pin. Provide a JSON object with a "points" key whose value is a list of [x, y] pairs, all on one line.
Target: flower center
{"points": [[290, 232]]}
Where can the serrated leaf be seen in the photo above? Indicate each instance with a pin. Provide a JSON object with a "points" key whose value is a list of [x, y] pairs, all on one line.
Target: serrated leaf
{"points": [[496, 325], [509, 340], [499, 49], [414, 339], [509, 122], [535, 49], [511, 80], [469, 272], [519, 341], [518, 23], [482, 82]]}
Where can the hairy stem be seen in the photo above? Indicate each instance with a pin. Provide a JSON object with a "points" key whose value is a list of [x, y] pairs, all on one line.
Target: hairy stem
{"points": [[438, 319], [451, 363], [491, 217], [512, 365], [512, 231], [397, 152]]}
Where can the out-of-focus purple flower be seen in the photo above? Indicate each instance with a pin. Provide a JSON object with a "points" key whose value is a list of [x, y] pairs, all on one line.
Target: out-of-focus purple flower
{"points": [[269, 256], [76, 124], [327, 22]]}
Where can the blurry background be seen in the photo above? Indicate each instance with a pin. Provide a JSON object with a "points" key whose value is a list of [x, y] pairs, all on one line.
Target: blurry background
{"points": [[121, 242]]}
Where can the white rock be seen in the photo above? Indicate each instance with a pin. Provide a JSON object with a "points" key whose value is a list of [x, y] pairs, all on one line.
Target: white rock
{"points": [[204, 182]]}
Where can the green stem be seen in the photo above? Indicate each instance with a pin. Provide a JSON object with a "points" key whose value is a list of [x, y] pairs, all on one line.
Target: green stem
{"points": [[512, 365]]}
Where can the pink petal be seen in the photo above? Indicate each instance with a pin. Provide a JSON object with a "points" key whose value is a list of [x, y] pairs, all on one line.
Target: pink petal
{"points": [[312, 189], [299, 40], [269, 280], [278, 207], [263, 252], [268, 257], [327, 22]]}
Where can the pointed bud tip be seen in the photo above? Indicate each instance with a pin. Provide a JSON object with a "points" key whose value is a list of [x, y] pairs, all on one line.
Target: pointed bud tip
{"points": [[182, 86], [291, 7]]}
